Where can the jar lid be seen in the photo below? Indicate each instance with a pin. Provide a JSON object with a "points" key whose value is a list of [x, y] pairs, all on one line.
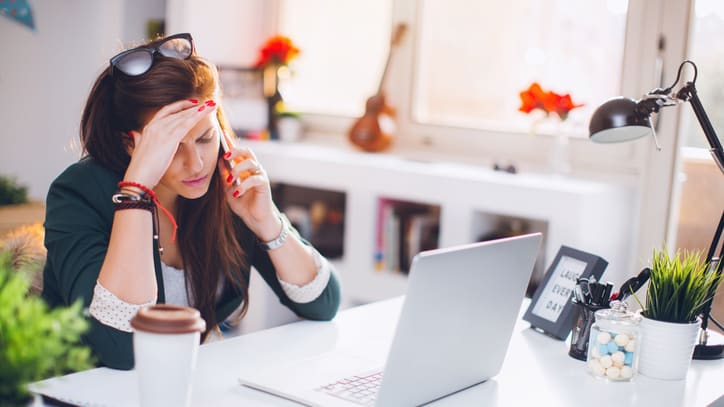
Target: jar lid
{"points": [[168, 319], [618, 313]]}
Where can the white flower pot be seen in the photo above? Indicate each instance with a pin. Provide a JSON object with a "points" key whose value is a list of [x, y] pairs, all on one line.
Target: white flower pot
{"points": [[666, 348], [290, 129]]}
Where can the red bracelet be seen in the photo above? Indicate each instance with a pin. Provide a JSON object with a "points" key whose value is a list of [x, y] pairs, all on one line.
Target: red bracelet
{"points": [[148, 191]]}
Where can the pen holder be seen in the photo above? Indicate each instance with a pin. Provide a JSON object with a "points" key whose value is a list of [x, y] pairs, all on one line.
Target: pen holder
{"points": [[583, 319]]}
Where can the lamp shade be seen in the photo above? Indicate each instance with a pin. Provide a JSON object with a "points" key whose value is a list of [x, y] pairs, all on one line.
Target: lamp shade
{"points": [[617, 120]]}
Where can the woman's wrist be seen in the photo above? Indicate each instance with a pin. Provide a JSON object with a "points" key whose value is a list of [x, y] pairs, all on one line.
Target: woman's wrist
{"points": [[134, 175], [270, 230]]}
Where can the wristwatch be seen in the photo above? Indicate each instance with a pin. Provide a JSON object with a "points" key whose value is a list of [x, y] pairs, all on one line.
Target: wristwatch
{"points": [[279, 241]]}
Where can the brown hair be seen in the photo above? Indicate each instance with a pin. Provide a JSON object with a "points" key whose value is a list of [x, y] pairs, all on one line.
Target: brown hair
{"points": [[207, 233]]}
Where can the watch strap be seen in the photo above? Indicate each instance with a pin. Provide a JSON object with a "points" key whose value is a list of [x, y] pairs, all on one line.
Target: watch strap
{"points": [[279, 241]]}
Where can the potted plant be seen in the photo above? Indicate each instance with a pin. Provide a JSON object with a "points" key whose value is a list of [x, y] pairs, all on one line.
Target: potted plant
{"points": [[679, 287], [289, 125], [35, 342]]}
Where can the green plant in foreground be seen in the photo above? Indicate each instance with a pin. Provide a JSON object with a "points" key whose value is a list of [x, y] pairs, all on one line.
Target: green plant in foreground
{"points": [[679, 286], [35, 342]]}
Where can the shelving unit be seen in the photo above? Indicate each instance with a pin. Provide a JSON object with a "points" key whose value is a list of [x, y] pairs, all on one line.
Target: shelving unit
{"points": [[471, 203], [496, 225], [403, 229], [317, 214]]}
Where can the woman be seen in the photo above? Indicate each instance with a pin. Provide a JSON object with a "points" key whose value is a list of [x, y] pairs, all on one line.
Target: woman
{"points": [[157, 212]]}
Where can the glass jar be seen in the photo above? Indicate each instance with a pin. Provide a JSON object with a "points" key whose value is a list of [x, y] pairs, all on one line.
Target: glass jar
{"points": [[613, 348]]}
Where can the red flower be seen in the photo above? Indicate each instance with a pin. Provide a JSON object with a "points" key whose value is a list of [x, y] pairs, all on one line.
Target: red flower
{"points": [[533, 98], [550, 102], [277, 50]]}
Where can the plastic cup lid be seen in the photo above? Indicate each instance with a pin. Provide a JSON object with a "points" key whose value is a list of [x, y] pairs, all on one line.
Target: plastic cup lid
{"points": [[168, 319]]}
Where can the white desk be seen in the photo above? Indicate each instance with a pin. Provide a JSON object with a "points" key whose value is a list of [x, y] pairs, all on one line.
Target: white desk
{"points": [[536, 371]]}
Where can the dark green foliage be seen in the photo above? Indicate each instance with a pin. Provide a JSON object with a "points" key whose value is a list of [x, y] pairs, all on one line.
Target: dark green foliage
{"points": [[35, 342], [12, 193]]}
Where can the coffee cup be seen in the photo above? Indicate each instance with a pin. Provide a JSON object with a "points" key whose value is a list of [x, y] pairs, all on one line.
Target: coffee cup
{"points": [[165, 347]]}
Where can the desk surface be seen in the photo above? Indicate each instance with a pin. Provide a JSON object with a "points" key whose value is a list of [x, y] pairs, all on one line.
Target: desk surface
{"points": [[537, 369]]}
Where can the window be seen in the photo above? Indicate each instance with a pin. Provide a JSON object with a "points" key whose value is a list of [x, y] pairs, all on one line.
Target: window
{"points": [[698, 200], [470, 59], [707, 25], [475, 57]]}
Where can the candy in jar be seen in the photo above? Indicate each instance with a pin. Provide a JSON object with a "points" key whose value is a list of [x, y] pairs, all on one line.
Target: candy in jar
{"points": [[613, 343]]}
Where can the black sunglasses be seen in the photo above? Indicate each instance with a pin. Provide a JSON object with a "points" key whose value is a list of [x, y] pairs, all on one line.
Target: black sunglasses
{"points": [[137, 61]]}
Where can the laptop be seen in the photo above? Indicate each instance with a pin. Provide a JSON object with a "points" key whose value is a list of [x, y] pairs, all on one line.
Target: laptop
{"points": [[453, 332]]}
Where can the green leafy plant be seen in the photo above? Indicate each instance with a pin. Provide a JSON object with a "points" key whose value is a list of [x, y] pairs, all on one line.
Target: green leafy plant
{"points": [[35, 342], [12, 193], [679, 286]]}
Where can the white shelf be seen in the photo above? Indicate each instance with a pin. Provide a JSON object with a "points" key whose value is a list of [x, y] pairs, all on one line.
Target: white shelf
{"points": [[588, 215]]}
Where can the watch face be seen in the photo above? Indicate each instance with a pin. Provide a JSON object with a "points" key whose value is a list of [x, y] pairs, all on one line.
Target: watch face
{"points": [[558, 288]]}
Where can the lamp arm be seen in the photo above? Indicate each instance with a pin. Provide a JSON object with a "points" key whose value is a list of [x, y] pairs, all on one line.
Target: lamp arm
{"points": [[688, 93], [717, 264]]}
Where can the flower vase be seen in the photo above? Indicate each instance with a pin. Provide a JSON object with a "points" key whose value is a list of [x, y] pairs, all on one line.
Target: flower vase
{"points": [[558, 159], [273, 97]]}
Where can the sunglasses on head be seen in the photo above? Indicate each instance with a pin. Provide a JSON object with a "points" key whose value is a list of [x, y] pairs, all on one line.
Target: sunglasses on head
{"points": [[137, 61]]}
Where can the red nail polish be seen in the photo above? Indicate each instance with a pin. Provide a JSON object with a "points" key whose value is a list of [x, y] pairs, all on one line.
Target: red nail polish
{"points": [[210, 103], [229, 179], [227, 155], [236, 194], [201, 109], [132, 134], [194, 101]]}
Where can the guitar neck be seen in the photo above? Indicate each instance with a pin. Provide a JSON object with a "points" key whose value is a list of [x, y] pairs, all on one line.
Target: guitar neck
{"points": [[381, 85], [398, 32]]}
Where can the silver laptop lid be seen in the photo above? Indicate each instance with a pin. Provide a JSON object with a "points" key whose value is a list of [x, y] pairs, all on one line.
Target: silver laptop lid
{"points": [[455, 325]]}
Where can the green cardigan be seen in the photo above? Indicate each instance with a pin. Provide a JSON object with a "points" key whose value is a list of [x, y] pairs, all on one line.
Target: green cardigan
{"points": [[78, 220]]}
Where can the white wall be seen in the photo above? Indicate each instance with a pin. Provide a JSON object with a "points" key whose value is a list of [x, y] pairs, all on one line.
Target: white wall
{"points": [[45, 77], [136, 14], [223, 30]]}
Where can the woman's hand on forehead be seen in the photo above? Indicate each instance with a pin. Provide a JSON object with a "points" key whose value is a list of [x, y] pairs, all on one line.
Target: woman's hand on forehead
{"points": [[155, 146]]}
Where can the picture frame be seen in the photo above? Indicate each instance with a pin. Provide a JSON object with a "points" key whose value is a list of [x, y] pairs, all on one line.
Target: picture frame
{"points": [[245, 106], [550, 310]]}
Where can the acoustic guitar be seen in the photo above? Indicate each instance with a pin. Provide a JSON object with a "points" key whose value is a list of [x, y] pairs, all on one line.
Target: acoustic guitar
{"points": [[374, 130]]}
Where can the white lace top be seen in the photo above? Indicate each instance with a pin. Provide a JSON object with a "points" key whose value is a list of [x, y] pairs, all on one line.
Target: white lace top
{"points": [[110, 310]]}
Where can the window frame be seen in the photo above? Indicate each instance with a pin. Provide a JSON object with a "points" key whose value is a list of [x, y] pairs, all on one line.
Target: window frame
{"points": [[616, 162]]}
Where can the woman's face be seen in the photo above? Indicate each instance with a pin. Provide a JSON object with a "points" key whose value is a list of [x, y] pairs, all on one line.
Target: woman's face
{"points": [[190, 171]]}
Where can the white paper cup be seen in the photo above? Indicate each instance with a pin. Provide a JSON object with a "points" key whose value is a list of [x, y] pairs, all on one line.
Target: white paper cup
{"points": [[165, 347]]}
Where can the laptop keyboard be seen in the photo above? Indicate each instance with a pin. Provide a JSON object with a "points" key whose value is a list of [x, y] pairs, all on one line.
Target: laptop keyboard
{"points": [[357, 389]]}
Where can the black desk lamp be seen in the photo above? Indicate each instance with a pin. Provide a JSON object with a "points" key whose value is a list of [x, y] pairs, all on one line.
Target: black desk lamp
{"points": [[622, 119]]}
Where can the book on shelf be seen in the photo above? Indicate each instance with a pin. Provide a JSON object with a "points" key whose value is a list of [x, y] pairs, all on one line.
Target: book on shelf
{"points": [[403, 230]]}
